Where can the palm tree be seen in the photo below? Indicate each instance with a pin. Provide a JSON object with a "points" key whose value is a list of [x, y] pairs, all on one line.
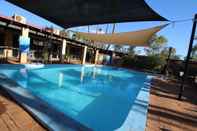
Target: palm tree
{"points": [[156, 45], [131, 50], [166, 50], [113, 30], [118, 48], [88, 29]]}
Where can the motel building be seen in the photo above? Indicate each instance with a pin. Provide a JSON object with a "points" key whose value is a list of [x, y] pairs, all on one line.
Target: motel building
{"points": [[22, 43]]}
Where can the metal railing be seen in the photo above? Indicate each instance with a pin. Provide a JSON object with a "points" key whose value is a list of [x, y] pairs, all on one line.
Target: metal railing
{"points": [[13, 54], [9, 54]]}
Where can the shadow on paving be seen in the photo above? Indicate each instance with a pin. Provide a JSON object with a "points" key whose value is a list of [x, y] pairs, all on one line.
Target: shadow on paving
{"points": [[167, 111], [3, 105], [172, 114], [171, 89]]}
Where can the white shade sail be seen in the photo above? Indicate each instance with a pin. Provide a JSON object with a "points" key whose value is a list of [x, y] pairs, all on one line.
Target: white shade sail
{"points": [[135, 38]]}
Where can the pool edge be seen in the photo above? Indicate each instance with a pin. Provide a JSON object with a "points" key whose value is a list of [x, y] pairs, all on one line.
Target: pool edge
{"points": [[139, 109]]}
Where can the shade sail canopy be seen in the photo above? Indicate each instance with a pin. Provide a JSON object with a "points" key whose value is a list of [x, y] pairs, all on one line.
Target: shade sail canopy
{"points": [[72, 13], [135, 38]]}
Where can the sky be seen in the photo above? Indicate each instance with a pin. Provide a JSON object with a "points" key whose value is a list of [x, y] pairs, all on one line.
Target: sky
{"points": [[178, 34]]}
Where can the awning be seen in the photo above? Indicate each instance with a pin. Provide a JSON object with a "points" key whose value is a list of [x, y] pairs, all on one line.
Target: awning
{"points": [[72, 13], [135, 38]]}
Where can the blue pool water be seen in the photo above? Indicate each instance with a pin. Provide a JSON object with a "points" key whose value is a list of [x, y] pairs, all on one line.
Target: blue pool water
{"points": [[97, 97]]}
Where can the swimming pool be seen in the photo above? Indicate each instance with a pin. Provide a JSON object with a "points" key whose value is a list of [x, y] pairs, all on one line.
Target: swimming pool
{"points": [[101, 98]]}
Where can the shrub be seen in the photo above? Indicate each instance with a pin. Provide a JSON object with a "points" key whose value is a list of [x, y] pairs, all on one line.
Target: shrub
{"points": [[151, 63]]}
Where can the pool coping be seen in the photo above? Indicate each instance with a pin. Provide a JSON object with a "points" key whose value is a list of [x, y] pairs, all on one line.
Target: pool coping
{"points": [[56, 120], [49, 117], [139, 109]]}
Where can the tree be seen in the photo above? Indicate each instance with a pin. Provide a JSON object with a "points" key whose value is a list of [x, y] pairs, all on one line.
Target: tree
{"points": [[165, 53], [194, 52], [131, 50], [113, 30], [157, 53], [74, 36], [156, 45], [166, 50], [177, 57], [118, 48]]}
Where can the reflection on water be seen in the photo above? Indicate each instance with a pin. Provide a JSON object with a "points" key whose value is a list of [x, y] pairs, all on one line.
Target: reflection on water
{"points": [[23, 75], [82, 73], [23, 72], [94, 73], [61, 79]]}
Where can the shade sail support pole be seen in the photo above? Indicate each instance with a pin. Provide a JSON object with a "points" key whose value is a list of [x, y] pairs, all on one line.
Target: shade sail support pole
{"points": [[167, 61], [188, 58]]}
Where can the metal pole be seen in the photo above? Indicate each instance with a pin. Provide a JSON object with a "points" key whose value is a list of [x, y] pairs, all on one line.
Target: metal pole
{"points": [[113, 29], [188, 57], [167, 61], [106, 31], [97, 27]]}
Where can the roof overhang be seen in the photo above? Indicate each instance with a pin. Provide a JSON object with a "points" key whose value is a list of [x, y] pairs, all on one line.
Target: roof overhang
{"points": [[135, 38], [72, 13]]}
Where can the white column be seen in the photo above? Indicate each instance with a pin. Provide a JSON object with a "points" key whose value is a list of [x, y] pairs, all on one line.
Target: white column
{"points": [[23, 55], [64, 47], [96, 57], [84, 55], [63, 50]]}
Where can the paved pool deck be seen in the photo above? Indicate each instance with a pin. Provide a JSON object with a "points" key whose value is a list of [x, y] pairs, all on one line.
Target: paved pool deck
{"points": [[15, 118], [166, 113]]}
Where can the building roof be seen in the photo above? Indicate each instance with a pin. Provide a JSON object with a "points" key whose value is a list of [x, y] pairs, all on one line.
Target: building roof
{"points": [[134, 38], [72, 13]]}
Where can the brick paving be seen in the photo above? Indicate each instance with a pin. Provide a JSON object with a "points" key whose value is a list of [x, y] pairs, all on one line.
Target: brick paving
{"points": [[15, 118], [166, 113]]}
